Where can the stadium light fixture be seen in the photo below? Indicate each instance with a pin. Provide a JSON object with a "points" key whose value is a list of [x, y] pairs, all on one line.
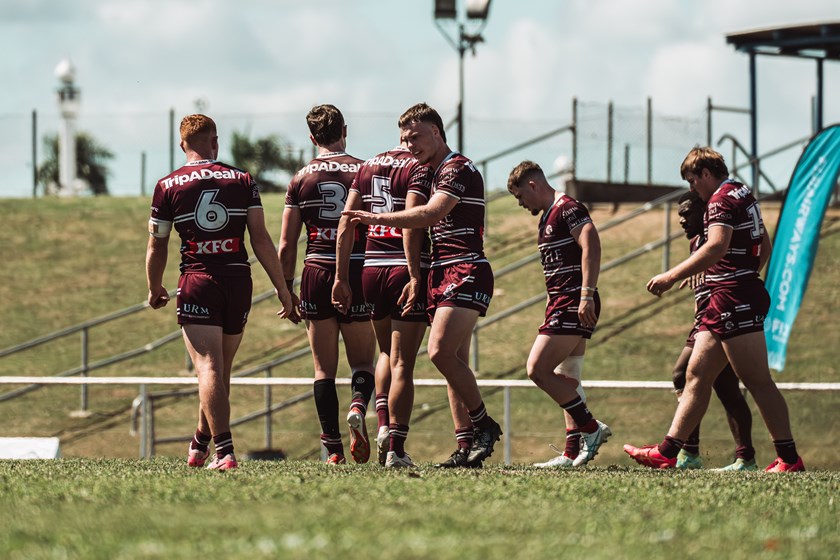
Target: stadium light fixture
{"points": [[476, 18], [69, 102]]}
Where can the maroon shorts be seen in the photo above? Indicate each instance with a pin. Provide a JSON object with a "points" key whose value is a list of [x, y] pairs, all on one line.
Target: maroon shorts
{"points": [[222, 301], [733, 312], [383, 286], [468, 285], [561, 316], [316, 295]]}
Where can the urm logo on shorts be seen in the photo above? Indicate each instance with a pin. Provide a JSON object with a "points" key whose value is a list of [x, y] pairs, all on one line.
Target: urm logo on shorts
{"points": [[193, 309], [483, 298]]}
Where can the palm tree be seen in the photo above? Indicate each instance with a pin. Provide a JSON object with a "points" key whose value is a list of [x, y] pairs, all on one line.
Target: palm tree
{"points": [[264, 157], [91, 165]]}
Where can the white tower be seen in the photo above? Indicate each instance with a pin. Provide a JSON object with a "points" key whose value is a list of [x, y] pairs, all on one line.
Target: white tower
{"points": [[68, 104]]}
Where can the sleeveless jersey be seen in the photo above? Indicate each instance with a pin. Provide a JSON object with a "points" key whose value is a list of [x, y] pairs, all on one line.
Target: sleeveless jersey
{"points": [[208, 202], [383, 182], [319, 191], [559, 252], [459, 236], [733, 206]]}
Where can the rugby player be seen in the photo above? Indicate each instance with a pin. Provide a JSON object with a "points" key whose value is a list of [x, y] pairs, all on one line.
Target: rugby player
{"points": [[316, 196], [570, 251], [691, 210], [732, 326], [211, 205], [394, 284], [460, 281]]}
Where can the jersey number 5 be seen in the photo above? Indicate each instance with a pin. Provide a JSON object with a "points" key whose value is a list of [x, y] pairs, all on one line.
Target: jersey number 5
{"points": [[382, 201]]}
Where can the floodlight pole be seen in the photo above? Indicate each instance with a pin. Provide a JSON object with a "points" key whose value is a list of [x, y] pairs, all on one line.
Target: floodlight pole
{"points": [[463, 42]]}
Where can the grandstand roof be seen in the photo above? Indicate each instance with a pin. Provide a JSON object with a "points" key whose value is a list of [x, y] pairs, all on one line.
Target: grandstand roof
{"points": [[816, 40]]}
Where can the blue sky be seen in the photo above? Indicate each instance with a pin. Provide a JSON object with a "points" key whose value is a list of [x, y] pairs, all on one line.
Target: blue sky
{"points": [[260, 65]]}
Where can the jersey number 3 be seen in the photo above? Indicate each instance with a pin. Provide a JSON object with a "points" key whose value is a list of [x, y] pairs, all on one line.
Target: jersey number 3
{"points": [[333, 196]]}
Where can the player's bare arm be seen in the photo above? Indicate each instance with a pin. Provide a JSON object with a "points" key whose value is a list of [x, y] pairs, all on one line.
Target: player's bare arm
{"points": [[710, 253], [289, 234], [263, 247], [418, 217], [342, 295], [412, 246], [589, 241], [766, 249], [157, 252]]}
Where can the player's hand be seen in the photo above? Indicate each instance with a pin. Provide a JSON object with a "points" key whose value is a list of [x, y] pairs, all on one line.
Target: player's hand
{"points": [[360, 217], [586, 314], [660, 284], [408, 296], [158, 297], [342, 296], [289, 309]]}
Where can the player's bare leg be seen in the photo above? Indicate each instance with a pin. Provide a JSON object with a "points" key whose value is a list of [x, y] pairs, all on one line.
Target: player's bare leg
{"points": [[206, 346], [360, 348], [748, 356], [323, 341], [689, 455], [547, 353], [382, 329], [405, 341], [449, 344]]}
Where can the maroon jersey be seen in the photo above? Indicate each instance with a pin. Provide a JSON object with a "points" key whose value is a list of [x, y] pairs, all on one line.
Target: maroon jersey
{"points": [[319, 191], [208, 203], [698, 282], [384, 182], [733, 206], [459, 236], [559, 252]]}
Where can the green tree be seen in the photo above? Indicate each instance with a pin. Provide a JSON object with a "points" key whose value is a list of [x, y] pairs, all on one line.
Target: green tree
{"points": [[91, 158], [264, 157]]}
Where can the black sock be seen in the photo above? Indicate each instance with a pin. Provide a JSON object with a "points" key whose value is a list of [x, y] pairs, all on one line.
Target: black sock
{"points": [[480, 418], [786, 450], [399, 433], [200, 441], [579, 412], [670, 447], [326, 403], [362, 386], [223, 443]]}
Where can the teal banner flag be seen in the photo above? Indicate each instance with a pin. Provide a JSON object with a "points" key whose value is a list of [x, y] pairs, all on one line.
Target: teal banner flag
{"points": [[797, 237]]}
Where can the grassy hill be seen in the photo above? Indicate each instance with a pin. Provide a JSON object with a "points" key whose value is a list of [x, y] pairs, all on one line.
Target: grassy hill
{"points": [[69, 260]]}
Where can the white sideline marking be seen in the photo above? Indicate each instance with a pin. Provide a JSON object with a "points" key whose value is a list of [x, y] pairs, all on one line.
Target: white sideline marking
{"points": [[303, 381]]}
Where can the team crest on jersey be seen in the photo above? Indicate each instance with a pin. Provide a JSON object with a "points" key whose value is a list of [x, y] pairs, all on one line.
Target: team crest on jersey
{"points": [[549, 229]]}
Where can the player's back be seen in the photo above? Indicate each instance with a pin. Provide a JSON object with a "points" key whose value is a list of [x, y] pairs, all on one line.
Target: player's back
{"points": [[734, 206], [384, 182], [208, 201], [319, 190]]}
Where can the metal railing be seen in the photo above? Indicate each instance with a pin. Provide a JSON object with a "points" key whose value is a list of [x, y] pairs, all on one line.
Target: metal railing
{"points": [[145, 407]]}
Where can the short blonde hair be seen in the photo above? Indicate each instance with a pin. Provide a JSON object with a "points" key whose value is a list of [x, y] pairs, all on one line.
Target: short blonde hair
{"points": [[193, 126], [704, 158]]}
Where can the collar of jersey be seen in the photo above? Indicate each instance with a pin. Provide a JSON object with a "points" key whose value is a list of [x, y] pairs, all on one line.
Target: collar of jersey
{"points": [[201, 162]]}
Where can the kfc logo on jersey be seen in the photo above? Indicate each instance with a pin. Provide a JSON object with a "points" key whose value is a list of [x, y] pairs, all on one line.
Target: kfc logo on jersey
{"points": [[384, 232], [323, 234], [214, 246]]}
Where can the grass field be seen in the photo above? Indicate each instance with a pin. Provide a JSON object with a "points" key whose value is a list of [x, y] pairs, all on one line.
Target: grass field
{"points": [[81, 508], [67, 260]]}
